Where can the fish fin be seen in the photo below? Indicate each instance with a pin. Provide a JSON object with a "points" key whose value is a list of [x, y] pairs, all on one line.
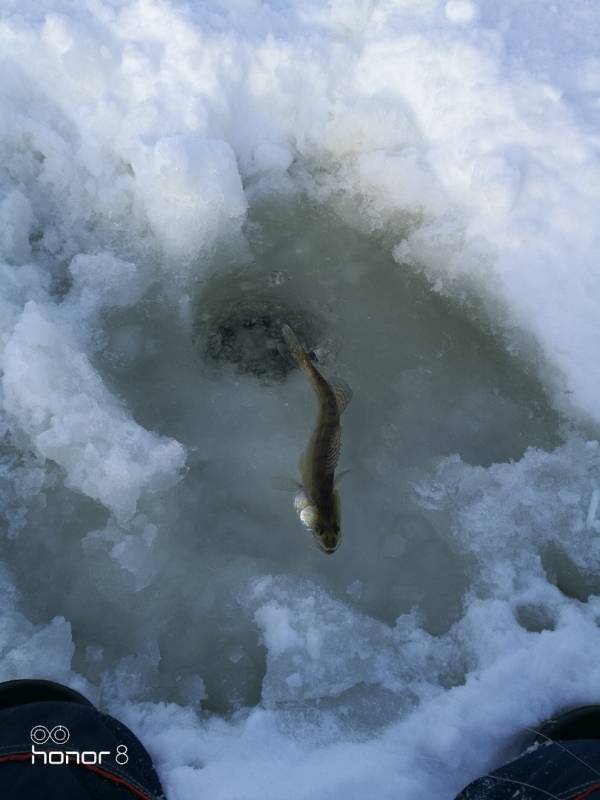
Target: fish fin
{"points": [[284, 352], [341, 475], [343, 393], [337, 505], [333, 453], [284, 483], [304, 460], [296, 349]]}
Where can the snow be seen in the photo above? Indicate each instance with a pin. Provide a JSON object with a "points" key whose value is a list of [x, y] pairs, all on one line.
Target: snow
{"points": [[461, 11], [160, 113], [192, 189], [51, 389], [418, 181], [591, 516]]}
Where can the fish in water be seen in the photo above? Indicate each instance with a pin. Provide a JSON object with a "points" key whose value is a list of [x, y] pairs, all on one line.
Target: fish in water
{"points": [[317, 501]]}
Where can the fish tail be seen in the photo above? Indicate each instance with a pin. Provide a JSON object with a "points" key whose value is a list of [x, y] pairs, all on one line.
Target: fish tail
{"points": [[299, 354]]}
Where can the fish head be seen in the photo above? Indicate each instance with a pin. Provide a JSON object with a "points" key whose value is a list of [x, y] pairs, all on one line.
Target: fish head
{"points": [[327, 537], [325, 527]]}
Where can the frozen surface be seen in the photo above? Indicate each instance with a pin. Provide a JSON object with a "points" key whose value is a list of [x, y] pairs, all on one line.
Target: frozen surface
{"points": [[415, 188]]}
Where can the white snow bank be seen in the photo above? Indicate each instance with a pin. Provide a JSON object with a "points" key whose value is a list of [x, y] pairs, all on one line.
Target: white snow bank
{"points": [[192, 192], [517, 679], [457, 700], [54, 394], [135, 125]]}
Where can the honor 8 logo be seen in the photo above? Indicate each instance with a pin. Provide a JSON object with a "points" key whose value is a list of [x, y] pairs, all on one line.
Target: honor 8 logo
{"points": [[60, 735]]}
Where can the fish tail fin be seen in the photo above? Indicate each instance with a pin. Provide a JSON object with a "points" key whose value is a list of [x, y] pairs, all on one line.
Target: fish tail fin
{"points": [[299, 354]]}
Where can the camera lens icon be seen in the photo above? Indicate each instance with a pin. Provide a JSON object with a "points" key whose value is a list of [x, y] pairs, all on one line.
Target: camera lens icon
{"points": [[39, 734], [59, 734]]}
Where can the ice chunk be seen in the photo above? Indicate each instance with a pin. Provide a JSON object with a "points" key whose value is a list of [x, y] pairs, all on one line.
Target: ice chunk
{"points": [[270, 157], [533, 502], [103, 281], [592, 510], [59, 32], [55, 395], [319, 647], [495, 183], [192, 192], [22, 483], [51, 646], [16, 222], [461, 10], [397, 177], [24, 646]]}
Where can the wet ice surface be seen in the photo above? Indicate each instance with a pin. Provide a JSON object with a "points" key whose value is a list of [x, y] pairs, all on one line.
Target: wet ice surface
{"points": [[171, 596]]}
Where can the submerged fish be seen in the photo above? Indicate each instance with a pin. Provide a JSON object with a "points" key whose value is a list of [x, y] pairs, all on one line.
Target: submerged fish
{"points": [[317, 501]]}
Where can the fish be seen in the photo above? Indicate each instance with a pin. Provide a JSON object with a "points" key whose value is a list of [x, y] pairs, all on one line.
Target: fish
{"points": [[317, 501]]}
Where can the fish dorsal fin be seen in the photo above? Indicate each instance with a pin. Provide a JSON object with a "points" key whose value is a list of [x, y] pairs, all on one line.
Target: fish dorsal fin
{"points": [[333, 453], [336, 503], [342, 392]]}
